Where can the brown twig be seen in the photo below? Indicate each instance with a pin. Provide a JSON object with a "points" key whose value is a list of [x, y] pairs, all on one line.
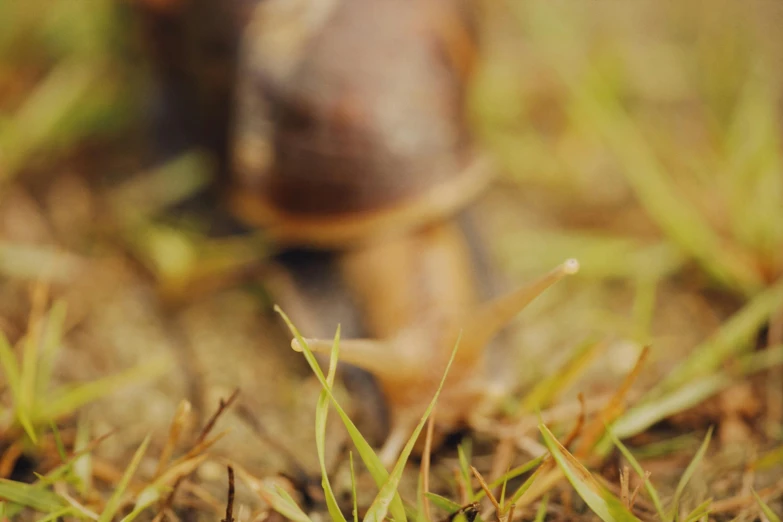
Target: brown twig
{"points": [[230, 501]]}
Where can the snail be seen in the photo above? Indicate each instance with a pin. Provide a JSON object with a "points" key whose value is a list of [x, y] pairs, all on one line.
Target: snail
{"points": [[349, 145], [350, 138]]}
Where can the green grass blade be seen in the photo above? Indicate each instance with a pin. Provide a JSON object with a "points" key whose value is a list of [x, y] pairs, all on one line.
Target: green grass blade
{"points": [[162, 485], [734, 336], [113, 505], [58, 442], [686, 476], [33, 496], [521, 490], [355, 510], [70, 399], [600, 500], [541, 512], [512, 474], [50, 343], [10, 365], [464, 456], [700, 511], [321, 414], [641, 417], [765, 508], [443, 503], [769, 459], [380, 506], [651, 491], [547, 389], [13, 377], [283, 503], [60, 514], [374, 466]]}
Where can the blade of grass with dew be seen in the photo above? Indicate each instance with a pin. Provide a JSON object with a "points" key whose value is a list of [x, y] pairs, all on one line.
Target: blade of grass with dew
{"points": [[368, 456], [600, 500], [321, 413], [115, 501], [686, 476], [765, 508], [734, 336], [13, 378], [464, 467], [69, 399], [651, 491], [32, 496], [380, 505], [700, 511]]}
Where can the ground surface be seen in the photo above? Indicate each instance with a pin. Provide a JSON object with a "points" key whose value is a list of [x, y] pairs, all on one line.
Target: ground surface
{"points": [[644, 140]]}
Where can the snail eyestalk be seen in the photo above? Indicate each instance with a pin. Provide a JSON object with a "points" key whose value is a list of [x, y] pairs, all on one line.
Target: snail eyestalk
{"points": [[490, 318]]}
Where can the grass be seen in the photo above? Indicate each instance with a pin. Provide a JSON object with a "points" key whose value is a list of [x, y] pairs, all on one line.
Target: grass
{"points": [[670, 137]]}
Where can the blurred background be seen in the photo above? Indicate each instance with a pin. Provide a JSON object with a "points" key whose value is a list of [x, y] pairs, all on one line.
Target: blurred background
{"points": [[643, 138]]}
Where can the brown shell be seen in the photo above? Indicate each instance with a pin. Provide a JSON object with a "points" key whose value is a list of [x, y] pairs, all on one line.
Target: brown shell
{"points": [[350, 120]]}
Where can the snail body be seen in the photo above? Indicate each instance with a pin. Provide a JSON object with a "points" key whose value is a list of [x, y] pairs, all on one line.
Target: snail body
{"points": [[350, 136], [348, 144]]}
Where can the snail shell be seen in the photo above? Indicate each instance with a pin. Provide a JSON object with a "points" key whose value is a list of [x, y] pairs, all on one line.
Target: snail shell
{"points": [[350, 119]]}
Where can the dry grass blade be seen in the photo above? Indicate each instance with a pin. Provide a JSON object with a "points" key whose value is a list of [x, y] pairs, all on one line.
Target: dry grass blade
{"points": [[175, 431], [600, 500], [425, 468], [485, 488], [546, 391], [596, 428], [639, 471], [115, 502], [200, 446]]}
